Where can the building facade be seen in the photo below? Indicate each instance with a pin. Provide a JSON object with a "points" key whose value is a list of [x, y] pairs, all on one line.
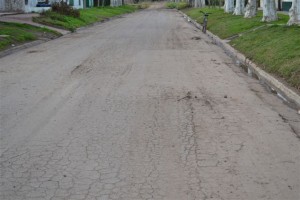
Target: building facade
{"points": [[12, 5], [31, 5]]}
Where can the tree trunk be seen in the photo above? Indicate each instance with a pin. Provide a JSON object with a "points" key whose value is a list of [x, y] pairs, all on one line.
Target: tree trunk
{"points": [[114, 3], [199, 3], [192, 2], [239, 7], [295, 13], [229, 6], [269, 11], [251, 9]]}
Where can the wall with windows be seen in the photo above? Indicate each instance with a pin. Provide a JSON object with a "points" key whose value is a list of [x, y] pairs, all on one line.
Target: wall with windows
{"points": [[81, 3], [30, 5], [283, 5], [88, 3]]}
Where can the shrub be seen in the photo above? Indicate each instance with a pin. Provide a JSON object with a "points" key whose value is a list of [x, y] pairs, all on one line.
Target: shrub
{"points": [[64, 9], [142, 5], [171, 5], [182, 5], [179, 5]]}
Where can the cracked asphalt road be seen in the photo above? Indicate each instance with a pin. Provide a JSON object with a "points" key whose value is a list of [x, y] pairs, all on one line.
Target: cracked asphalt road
{"points": [[135, 108]]}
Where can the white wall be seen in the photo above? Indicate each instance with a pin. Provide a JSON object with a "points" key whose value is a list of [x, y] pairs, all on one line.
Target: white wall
{"points": [[262, 3], [2, 5], [31, 7], [78, 4], [276, 2], [9, 5]]}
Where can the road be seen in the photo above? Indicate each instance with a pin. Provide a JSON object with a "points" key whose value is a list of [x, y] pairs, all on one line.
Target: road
{"points": [[141, 107]]}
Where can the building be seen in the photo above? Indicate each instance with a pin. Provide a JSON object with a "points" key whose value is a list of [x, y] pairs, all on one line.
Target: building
{"points": [[35, 5], [281, 5], [81, 3], [8, 5]]}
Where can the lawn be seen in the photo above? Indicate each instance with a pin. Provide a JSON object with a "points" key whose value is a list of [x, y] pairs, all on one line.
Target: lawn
{"points": [[225, 25], [87, 16], [275, 49], [15, 34], [274, 46]]}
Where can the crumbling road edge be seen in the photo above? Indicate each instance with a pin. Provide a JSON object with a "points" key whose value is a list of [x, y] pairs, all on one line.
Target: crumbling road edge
{"points": [[274, 84]]}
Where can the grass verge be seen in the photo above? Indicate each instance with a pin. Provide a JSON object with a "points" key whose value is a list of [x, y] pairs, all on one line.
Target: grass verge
{"points": [[274, 46], [15, 34], [87, 16], [275, 49]]}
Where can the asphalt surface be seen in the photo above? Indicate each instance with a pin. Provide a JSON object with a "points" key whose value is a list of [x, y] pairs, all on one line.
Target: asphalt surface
{"points": [[141, 107]]}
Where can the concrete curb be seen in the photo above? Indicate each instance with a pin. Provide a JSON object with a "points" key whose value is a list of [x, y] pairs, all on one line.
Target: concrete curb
{"points": [[276, 86], [21, 47]]}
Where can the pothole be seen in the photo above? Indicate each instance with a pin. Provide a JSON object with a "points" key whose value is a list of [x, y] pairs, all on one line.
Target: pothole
{"points": [[196, 38]]}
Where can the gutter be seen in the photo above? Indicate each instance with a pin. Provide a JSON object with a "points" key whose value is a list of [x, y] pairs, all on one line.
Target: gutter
{"points": [[291, 97]]}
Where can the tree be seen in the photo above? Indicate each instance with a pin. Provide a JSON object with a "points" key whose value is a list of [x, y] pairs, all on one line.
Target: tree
{"points": [[294, 13], [199, 3], [239, 7], [229, 6], [269, 11], [115, 3], [251, 9]]}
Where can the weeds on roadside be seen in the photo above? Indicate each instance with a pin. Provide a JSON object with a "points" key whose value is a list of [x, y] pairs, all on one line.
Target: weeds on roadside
{"points": [[179, 5], [65, 9]]}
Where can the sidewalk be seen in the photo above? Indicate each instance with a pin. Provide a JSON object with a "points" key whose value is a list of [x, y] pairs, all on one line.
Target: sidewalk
{"points": [[7, 13], [27, 19]]}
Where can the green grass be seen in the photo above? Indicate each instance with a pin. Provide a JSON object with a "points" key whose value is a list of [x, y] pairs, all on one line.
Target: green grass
{"points": [[179, 5], [275, 49], [225, 25], [87, 16], [274, 46], [15, 33]]}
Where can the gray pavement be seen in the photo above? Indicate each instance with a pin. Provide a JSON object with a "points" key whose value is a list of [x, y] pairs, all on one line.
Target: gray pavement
{"points": [[141, 107]]}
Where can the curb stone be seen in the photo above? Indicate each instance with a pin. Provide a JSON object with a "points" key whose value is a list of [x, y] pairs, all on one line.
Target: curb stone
{"points": [[21, 47], [275, 85]]}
